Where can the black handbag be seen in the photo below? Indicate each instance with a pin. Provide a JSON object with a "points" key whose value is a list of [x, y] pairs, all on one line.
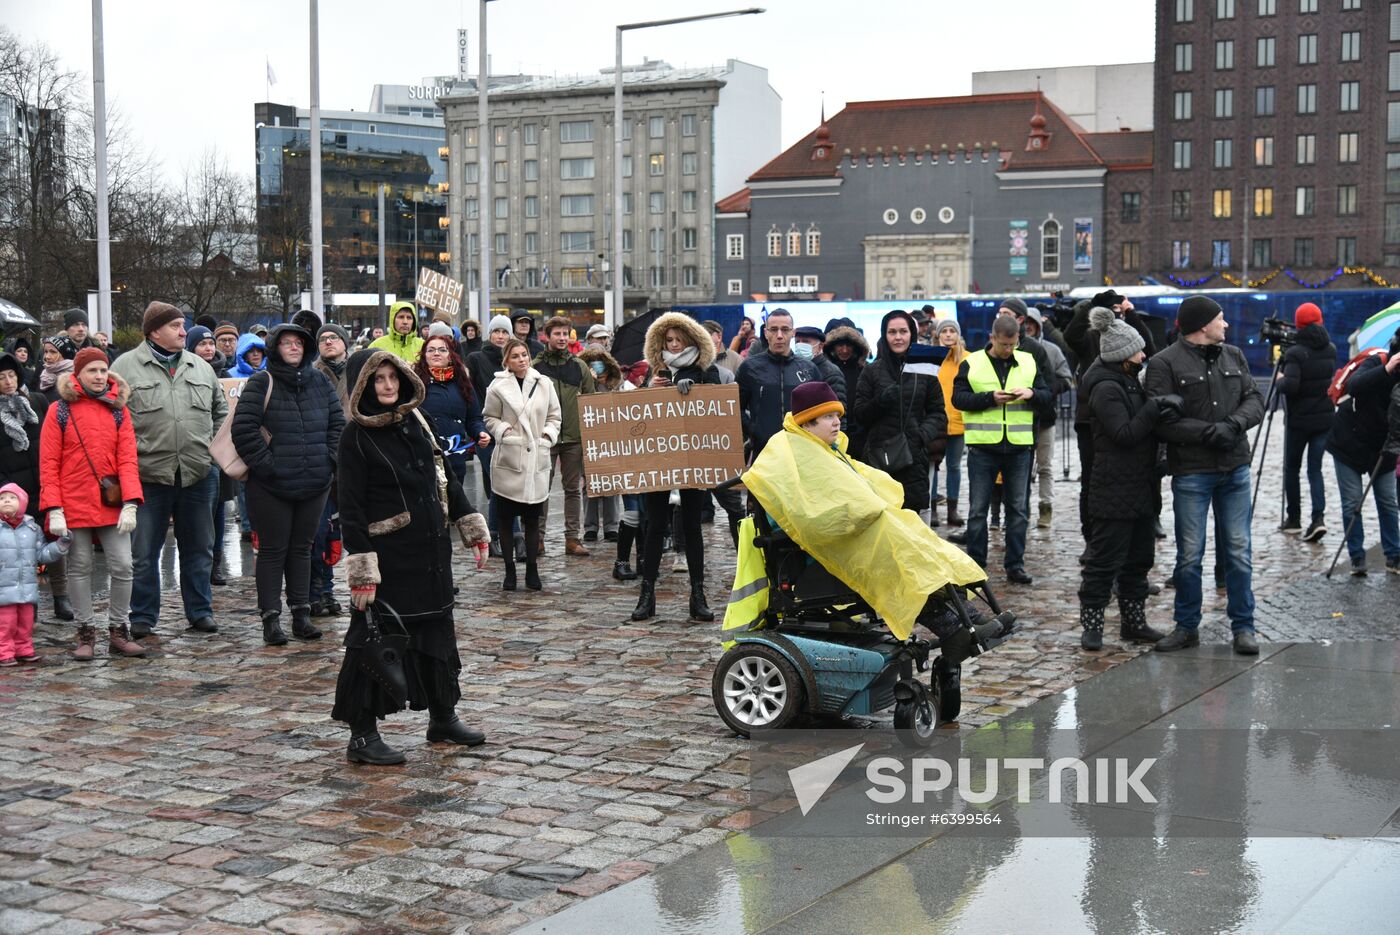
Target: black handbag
{"points": [[381, 651]]}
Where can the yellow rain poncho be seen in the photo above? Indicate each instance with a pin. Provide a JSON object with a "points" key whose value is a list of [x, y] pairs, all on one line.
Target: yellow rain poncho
{"points": [[848, 516]]}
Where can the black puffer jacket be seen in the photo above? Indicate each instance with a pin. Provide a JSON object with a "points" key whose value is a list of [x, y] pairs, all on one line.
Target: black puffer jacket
{"points": [[1308, 368], [1361, 424], [303, 417], [1083, 342], [850, 371], [1124, 482]]}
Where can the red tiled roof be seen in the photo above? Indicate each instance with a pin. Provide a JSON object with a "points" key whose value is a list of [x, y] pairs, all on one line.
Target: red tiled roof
{"points": [[933, 123], [737, 203], [1124, 149]]}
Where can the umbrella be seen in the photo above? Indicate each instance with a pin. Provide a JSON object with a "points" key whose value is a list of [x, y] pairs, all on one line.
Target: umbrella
{"points": [[14, 318], [628, 343], [1377, 330]]}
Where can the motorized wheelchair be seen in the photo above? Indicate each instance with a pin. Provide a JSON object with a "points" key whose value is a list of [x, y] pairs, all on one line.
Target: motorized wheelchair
{"points": [[821, 649]]}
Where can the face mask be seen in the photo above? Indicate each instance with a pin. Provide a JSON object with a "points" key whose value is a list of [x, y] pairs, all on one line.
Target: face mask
{"points": [[803, 351], [598, 368], [1132, 367]]}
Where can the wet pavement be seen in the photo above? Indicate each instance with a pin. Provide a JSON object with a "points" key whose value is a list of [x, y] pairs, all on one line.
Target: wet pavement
{"points": [[205, 788]]}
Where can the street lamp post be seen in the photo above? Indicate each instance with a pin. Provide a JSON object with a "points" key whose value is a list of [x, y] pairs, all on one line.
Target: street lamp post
{"points": [[617, 265]]}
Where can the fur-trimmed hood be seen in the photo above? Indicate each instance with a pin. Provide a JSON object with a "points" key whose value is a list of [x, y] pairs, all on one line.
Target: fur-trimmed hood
{"points": [[359, 374], [612, 372], [118, 392], [694, 331], [847, 335]]}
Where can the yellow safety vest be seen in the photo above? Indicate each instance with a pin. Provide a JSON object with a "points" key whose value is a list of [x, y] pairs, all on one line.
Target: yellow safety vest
{"points": [[748, 599], [1014, 422]]}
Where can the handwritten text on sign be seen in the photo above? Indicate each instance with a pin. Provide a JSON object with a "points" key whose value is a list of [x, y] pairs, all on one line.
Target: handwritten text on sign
{"points": [[438, 292], [648, 440]]}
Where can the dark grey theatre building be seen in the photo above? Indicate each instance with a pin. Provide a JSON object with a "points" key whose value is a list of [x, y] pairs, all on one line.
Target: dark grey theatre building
{"points": [[906, 200]]}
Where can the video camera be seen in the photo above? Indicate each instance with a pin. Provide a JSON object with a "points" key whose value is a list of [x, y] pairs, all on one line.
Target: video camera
{"points": [[1278, 332], [1060, 312]]}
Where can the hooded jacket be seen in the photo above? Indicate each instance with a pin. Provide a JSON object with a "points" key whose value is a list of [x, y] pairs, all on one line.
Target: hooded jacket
{"points": [[524, 420], [22, 550], [1308, 368], [572, 379], [1360, 427], [405, 347], [99, 429], [302, 416], [394, 522], [1124, 483], [22, 467], [703, 370], [246, 343], [175, 418], [611, 379], [532, 340]]}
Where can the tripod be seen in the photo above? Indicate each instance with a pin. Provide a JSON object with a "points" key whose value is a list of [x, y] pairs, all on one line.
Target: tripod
{"points": [[1271, 400], [1066, 413]]}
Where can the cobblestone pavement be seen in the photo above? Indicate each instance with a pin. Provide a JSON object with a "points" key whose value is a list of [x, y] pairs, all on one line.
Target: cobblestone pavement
{"points": [[205, 789]]}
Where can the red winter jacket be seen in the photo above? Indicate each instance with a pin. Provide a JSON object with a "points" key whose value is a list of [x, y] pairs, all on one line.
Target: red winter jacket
{"points": [[65, 480]]}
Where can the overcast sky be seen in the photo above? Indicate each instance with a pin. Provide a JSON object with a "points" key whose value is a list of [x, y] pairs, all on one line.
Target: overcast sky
{"points": [[186, 74]]}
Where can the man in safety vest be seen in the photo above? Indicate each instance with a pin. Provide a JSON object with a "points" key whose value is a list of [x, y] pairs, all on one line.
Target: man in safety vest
{"points": [[998, 390]]}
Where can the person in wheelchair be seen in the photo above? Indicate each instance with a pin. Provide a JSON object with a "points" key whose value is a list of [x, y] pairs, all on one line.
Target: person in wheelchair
{"points": [[848, 516]]}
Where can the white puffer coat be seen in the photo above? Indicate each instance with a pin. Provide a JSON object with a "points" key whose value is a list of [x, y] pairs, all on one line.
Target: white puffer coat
{"points": [[524, 421], [22, 548]]}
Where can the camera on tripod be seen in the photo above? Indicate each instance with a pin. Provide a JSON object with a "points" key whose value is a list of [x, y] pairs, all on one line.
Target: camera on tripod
{"points": [[1278, 332]]}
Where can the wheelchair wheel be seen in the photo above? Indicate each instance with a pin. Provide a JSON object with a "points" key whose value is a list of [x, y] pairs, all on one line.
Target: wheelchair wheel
{"points": [[755, 687], [947, 685], [916, 720]]}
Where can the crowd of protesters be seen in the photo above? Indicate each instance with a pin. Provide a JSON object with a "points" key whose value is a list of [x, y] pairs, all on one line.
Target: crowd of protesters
{"points": [[364, 452]]}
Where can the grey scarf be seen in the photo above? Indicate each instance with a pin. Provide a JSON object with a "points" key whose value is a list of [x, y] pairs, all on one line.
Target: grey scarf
{"points": [[682, 360], [15, 413]]}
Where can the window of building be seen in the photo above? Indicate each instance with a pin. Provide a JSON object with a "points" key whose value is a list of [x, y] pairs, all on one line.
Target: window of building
{"points": [[1346, 200], [688, 123], [1307, 6], [532, 206], [471, 136], [1224, 102], [1224, 54], [1181, 154], [1306, 149], [736, 287], [532, 243], [532, 278], [626, 167], [917, 293], [1131, 254], [1050, 248], [500, 208], [1183, 56], [473, 280], [575, 206], [576, 168], [1268, 7], [1263, 202], [1181, 254], [734, 247], [1263, 150], [656, 127], [532, 170], [689, 238], [627, 245], [471, 172], [1264, 52], [656, 164], [473, 245], [1392, 122], [656, 203], [1351, 46], [690, 275], [1307, 49], [502, 244], [1264, 101], [1262, 250], [814, 242], [690, 163], [1351, 4], [1304, 201], [1302, 251], [576, 131], [626, 202], [1224, 9], [1393, 72], [470, 206], [626, 129], [1346, 251], [1348, 146], [1220, 203], [1395, 22], [1307, 98], [776, 284], [1351, 96], [1392, 173], [794, 242], [689, 200], [1181, 205], [500, 171], [1130, 212], [531, 133], [1220, 254], [1392, 223], [501, 134], [1185, 10], [1224, 153], [775, 243], [576, 242], [658, 276]]}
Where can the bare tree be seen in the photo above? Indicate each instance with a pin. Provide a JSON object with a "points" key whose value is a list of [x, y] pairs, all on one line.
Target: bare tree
{"points": [[216, 235]]}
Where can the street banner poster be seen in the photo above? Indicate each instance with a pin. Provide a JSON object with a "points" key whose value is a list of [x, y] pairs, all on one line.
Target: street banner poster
{"points": [[1020, 247], [657, 439], [1083, 245], [438, 292], [233, 388]]}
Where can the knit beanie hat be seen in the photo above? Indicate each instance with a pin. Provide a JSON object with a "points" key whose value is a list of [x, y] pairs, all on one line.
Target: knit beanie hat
{"points": [[810, 400], [74, 316], [1016, 305], [499, 323], [948, 323], [334, 329], [1118, 340], [195, 335], [158, 315], [63, 344], [225, 327], [440, 329], [88, 355], [1307, 314], [1195, 313]]}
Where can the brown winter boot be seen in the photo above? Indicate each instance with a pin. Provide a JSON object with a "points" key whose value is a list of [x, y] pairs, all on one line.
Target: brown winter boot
{"points": [[120, 643], [87, 640]]}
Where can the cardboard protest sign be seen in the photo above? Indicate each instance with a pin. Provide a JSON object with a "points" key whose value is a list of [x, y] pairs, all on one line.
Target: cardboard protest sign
{"points": [[438, 292], [647, 440], [233, 388]]}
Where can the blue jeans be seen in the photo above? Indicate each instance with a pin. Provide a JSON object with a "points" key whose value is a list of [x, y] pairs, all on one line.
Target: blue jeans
{"points": [[1193, 496], [193, 511], [322, 575], [983, 466], [1294, 444], [1349, 484], [952, 465]]}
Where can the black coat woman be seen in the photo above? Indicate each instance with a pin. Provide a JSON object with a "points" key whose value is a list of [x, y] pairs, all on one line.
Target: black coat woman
{"points": [[900, 407], [55, 363], [286, 428], [398, 502], [1123, 489], [451, 404], [680, 353], [21, 414]]}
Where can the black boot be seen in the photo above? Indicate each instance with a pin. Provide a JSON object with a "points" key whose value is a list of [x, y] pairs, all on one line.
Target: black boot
{"points": [[508, 583], [1132, 622], [699, 609], [520, 548], [302, 627], [646, 602], [319, 607], [445, 727], [217, 577], [532, 576], [272, 629], [366, 746], [622, 567], [62, 609], [494, 551], [1091, 622]]}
